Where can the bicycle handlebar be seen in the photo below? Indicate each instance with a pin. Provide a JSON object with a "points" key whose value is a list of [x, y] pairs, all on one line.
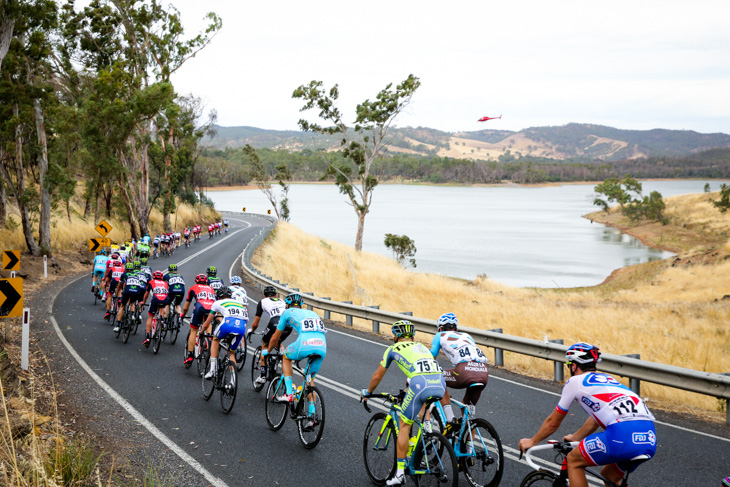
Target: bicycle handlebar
{"points": [[563, 447], [382, 395]]}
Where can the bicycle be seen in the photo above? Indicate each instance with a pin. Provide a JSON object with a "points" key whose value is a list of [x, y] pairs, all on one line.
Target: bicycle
{"points": [[547, 478], [476, 444], [430, 458], [299, 410], [96, 289], [273, 365], [125, 325], [173, 326], [224, 379], [158, 331]]}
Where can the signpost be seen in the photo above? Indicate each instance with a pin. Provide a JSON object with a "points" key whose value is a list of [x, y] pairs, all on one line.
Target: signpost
{"points": [[103, 228], [96, 243], [24, 344], [11, 260], [11, 297]]}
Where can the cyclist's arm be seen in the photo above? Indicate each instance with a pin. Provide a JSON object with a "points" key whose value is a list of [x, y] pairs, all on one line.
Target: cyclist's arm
{"points": [[376, 378], [274, 339], [208, 321], [549, 426], [255, 323], [436, 345], [588, 428]]}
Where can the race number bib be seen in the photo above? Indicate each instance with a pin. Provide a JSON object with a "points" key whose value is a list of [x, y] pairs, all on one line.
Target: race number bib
{"points": [[427, 366], [312, 324]]}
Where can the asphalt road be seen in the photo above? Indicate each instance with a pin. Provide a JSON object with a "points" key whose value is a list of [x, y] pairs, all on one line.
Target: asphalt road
{"points": [[158, 393]]}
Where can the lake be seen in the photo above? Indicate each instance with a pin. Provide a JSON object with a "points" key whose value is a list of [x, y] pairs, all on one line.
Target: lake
{"points": [[519, 236]]}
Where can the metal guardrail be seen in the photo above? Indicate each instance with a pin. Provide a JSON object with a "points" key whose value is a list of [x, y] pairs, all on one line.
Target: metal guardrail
{"points": [[715, 385]]}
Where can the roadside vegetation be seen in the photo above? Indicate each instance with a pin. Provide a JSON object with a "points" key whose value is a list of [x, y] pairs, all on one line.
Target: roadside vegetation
{"points": [[671, 311]]}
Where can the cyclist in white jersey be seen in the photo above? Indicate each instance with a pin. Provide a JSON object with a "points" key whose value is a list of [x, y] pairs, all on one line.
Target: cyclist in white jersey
{"points": [[629, 425], [239, 293], [273, 307], [470, 370]]}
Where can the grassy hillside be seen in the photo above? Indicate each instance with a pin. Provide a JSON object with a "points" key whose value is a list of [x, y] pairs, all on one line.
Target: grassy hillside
{"points": [[669, 311]]}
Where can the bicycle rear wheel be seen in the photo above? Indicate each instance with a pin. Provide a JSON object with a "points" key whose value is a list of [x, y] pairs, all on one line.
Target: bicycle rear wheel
{"points": [[485, 465], [203, 357], [126, 325], [276, 411], [175, 330], [311, 434], [255, 370], [156, 334], [436, 463], [241, 354], [379, 448], [539, 478], [229, 388], [208, 384]]}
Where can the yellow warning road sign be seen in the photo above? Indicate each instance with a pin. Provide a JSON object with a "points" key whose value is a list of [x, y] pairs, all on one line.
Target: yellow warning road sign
{"points": [[11, 297], [95, 244], [103, 228], [11, 260]]}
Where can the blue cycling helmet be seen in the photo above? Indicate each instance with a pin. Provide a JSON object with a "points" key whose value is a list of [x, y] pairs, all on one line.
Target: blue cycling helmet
{"points": [[582, 354], [294, 300], [403, 329], [236, 281], [447, 321], [102, 252]]}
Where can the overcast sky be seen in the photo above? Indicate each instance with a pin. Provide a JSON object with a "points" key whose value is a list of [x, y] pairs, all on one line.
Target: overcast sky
{"points": [[627, 64]]}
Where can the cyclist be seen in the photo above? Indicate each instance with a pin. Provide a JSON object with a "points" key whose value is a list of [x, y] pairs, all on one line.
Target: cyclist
{"points": [[156, 244], [129, 286], [176, 285], [629, 426], [213, 280], [186, 233], [143, 249], [144, 279], [99, 270], [310, 343], [273, 307], [204, 298], [470, 370], [239, 293], [425, 381], [225, 224], [234, 319], [114, 273], [160, 299]]}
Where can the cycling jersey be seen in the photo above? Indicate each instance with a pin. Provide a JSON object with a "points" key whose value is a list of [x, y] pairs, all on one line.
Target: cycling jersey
{"points": [[413, 358], [143, 249], [175, 282], [204, 298], [100, 262], [158, 288], [458, 347], [239, 294], [215, 282], [235, 319], [115, 271], [310, 340], [274, 307]]}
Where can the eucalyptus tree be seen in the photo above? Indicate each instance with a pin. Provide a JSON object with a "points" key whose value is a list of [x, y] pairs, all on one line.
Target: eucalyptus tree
{"points": [[360, 147], [261, 179]]}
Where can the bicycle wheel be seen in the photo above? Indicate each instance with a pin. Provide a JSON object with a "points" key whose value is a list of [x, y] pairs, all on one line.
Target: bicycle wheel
{"points": [[241, 354], [379, 448], [208, 385], [156, 334], [255, 369], [126, 325], [113, 320], [229, 388], [436, 463], [203, 357], [484, 466], [539, 478], [311, 434], [175, 329], [276, 411], [96, 295]]}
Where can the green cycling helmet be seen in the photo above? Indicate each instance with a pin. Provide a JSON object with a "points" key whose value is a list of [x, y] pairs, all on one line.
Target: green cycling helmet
{"points": [[403, 329], [172, 268], [129, 266], [212, 271]]}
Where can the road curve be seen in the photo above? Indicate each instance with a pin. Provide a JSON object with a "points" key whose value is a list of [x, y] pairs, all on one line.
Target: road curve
{"points": [[159, 394]]}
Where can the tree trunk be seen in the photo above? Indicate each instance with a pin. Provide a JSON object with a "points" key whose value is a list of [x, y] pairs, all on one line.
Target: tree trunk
{"points": [[360, 230], [131, 210], [6, 35], [44, 227], [3, 201], [30, 242]]}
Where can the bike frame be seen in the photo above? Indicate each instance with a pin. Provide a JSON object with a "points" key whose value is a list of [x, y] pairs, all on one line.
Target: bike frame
{"points": [[466, 425]]}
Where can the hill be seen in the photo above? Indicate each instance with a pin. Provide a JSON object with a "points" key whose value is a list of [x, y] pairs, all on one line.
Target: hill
{"points": [[575, 142]]}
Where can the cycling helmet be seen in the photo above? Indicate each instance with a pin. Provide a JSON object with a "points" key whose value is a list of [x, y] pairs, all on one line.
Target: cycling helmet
{"points": [[236, 281], [269, 291], [582, 353], [293, 300], [157, 275], [403, 328], [122, 248], [201, 279], [224, 292], [115, 255], [129, 266], [212, 271], [137, 264], [172, 268], [102, 252], [143, 260], [447, 321]]}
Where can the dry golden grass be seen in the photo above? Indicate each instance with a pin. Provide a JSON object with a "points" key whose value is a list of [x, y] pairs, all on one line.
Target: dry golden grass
{"points": [[667, 314]]}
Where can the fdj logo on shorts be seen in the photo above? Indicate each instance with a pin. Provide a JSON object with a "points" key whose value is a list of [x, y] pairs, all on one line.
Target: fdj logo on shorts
{"points": [[593, 405], [648, 438], [594, 445]]}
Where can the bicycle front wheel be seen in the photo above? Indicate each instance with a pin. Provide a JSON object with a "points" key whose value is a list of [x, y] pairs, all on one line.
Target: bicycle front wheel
{"points": [[255, 370], [434, 462], [203, 358], [484, 461], [311, 427], [379, 448], [229, 389], [175, 330], [539, 478], [276, 411], [208, 384]]}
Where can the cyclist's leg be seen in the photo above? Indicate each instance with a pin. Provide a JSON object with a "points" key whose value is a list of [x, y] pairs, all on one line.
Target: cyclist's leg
{"points": [[577, 469]]}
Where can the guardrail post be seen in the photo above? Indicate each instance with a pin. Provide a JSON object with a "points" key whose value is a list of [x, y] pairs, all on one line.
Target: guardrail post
{"points": [[376, 324], [498, 352], [309, 306], [327, 312], [407, 313], [634, 384], [558, 366], [348, 318], [727, 405]]}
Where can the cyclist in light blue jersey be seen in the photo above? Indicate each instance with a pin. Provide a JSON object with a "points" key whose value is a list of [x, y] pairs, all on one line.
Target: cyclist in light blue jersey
{"points": [[99, 269]]}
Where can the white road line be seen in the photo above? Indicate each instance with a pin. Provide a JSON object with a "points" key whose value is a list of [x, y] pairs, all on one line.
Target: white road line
{"points": [[139, 417]]}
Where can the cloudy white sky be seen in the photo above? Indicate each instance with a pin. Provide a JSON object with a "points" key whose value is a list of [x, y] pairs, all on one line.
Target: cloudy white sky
{"points": [[627, 64]]}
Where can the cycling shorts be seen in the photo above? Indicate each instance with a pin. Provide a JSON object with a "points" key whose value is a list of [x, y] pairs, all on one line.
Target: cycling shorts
{"points": [[156, 244], [471, 376], [271, 329], [199, 315], [129, 295], [113, 286], [619, 443], [99, 272], [176, 298], [156, 303], [421, 388], [308, 345], [231, 325]]}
